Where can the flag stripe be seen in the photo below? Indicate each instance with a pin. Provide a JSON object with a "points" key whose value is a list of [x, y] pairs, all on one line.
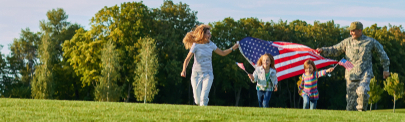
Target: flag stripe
{"points": [[284, 58], [278, 43], [293, 50], [292, 59], [300, 71], [301, 66], [286, 47], [287, 67]]}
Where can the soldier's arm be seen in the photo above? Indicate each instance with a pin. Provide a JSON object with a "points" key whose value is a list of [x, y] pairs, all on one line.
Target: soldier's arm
{"points": [[334, 50], [385, 61]]}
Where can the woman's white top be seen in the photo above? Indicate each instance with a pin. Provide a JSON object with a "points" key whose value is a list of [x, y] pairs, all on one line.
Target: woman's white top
{"points": [[203, 56]]}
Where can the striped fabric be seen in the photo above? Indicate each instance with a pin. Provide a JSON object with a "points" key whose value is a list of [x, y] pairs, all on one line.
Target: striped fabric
{"points": [[289, 57], [309, 84]]}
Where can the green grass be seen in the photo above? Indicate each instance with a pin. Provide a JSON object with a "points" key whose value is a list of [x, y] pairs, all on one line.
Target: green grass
{"points": [[401, 110], [57, 110]]}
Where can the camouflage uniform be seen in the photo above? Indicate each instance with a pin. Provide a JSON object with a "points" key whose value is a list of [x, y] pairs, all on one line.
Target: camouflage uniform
{"points": [[359, 53]]}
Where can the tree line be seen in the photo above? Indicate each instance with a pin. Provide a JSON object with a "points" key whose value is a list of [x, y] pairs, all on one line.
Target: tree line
{"points": [[133, 53]]}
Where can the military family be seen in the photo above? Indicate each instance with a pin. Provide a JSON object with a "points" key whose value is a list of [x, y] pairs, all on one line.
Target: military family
{"points": [[357, 49]]}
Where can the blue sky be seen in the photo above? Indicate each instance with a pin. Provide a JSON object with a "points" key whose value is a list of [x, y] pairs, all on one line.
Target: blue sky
{"points": [[20, 14]]}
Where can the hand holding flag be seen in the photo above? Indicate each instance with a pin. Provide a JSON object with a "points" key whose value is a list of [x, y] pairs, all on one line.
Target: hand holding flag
{"points": [[240, 65]]}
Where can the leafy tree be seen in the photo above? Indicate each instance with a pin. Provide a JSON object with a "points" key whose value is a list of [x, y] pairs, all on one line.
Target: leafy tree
{"points": [[224, 34], [146, 69], [66, 82], [375, 92], [19, 66], [25, 49], [107, 89], [173, 21], [2, 68], [42, 87], [123, 25], [83, 54], [79, 72], [56, 25], [394, 87]]}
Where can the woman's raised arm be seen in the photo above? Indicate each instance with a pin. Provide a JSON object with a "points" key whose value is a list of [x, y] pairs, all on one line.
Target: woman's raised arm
{"points": [[227, 51]]}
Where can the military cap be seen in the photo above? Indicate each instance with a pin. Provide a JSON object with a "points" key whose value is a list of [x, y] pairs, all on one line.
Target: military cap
{"points": [[355, 25]]}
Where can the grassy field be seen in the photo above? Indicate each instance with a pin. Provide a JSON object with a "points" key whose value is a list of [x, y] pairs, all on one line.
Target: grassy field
{"points": [[57, 110], [390, 111]]}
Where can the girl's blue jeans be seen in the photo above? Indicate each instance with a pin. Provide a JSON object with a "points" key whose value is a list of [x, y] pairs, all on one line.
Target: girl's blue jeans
{"points": [[263, 98], [308, 102]]}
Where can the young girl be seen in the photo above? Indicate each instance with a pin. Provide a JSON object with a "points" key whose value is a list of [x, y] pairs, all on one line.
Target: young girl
{"points": [[198, 41], [265, 76], [309, 84]]}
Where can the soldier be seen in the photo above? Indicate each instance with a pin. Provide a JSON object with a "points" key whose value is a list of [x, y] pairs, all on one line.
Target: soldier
{"points": [[358, 51]]}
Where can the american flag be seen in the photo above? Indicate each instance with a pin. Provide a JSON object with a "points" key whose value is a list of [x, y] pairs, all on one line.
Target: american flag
{"points": [[289, 57], [240, 65], [347, 64]]}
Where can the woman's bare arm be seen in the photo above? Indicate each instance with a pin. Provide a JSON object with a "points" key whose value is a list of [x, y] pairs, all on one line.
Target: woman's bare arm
{"points": [[185, 64]]}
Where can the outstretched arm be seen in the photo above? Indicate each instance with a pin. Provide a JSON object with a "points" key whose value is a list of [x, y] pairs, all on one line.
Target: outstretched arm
{"points": [[385, 61], [323, 72], [227, 51], [185, 64], [334, 50]]}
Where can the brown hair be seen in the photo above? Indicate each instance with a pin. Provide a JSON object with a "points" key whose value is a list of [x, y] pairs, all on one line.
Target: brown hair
{"points": [[310, 62], [196, 36], [260, 61]]}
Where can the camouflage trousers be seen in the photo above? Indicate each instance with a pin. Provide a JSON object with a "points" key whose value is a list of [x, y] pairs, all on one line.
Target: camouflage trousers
{"points": [[357, 96]]}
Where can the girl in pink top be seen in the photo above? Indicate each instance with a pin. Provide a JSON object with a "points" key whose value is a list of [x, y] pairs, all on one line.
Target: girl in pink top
{"points": [[309, 84]]}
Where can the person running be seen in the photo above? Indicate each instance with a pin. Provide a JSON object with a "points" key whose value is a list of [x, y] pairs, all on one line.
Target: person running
{"points": [[265, 76], [309, 84], [201, 47]]}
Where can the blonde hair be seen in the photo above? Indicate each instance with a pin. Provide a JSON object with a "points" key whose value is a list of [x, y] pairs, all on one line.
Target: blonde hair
{"points": [[260, 61], [310, 62], [196, 36]]}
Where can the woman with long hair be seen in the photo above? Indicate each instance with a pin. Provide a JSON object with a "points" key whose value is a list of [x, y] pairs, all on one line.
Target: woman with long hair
{"points": [[201, 47]]}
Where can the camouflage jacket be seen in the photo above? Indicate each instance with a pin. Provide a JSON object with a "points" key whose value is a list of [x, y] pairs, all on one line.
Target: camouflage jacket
{"points": [[359, 53]]}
